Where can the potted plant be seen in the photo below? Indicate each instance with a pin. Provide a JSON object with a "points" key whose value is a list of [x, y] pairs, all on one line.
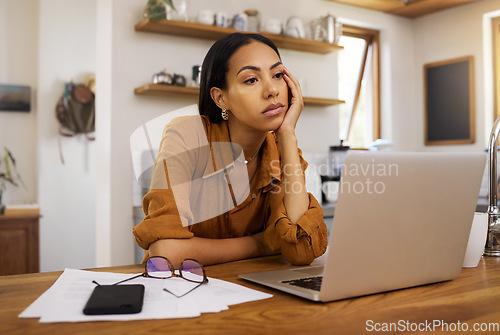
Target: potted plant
{"points": [[158, 9], [8, 174]]}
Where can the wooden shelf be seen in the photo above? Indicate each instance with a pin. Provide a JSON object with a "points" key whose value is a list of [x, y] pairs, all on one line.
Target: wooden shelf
{"points": [[321, 102], [192, 92], [167, 90], [196, 30]]}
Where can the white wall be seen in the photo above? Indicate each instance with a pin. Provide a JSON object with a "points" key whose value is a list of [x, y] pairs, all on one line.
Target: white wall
{"points": [[451, 34], [67, 51], [87, 203], [18, 66]]}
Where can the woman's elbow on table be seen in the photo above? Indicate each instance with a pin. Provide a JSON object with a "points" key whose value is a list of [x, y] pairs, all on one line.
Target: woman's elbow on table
{"points": [[298, 253]]}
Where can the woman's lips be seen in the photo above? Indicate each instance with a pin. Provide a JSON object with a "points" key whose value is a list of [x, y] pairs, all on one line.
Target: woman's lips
{"points": [[273, 110]]}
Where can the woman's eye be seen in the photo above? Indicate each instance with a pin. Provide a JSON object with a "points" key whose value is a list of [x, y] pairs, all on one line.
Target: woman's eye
{"points": [[250, 81], [279, 75]]}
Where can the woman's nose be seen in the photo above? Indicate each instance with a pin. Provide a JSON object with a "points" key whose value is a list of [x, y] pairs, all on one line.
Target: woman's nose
{"points": [[270, 89]]}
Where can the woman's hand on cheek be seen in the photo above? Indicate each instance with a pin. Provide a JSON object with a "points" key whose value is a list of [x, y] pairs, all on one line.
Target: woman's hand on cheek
{"points": [[296, 104]]}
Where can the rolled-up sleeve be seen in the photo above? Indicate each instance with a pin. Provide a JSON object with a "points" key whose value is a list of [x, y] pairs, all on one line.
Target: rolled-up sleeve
{"points": [[168, 215], [300, 243], [162, 219]]}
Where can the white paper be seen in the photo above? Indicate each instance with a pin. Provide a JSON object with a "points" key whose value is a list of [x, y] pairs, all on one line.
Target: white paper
{"points": [[232, 294], [65, 300]]}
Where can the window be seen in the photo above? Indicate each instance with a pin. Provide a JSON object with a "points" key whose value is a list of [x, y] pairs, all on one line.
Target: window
{"points": [[359, 85]]}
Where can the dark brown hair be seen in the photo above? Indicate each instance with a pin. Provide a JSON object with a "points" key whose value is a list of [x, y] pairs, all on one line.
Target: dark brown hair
{"points": [[215, 67]]}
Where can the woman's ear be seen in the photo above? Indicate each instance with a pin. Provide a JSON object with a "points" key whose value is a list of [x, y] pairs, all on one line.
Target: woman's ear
{"points": [[218, 97]]}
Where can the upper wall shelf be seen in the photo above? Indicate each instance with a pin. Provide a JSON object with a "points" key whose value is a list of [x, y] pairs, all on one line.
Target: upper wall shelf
{"points": [[192, 92], [196, 30]]}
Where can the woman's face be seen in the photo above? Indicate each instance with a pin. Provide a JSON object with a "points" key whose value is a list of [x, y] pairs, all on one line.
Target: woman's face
{"points": [[256, 93]]}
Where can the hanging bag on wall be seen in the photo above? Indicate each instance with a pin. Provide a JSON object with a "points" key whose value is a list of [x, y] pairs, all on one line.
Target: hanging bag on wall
{"points": [[75, 111]]}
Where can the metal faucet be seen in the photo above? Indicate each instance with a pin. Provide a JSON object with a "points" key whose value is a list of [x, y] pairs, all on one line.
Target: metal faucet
{"points": [[492, 247]]}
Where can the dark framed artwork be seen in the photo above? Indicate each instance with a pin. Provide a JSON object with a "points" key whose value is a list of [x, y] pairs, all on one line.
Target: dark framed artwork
{"points": [[449, 102], [15, 98]]}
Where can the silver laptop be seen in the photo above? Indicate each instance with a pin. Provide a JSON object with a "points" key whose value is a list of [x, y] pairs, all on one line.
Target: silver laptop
{"points": [[402, 220]]}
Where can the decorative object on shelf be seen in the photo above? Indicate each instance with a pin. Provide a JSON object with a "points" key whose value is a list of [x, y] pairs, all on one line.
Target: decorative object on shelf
{"points": [[181, 10], [162, 77], [338, 32], [15, 98], [240, 22], [273, 26], [159, 9], [318, 32], [222, 20], [179, 80], [206, 16], [253, 20], [8, 174], [295, 27], [329, 25], [196, 75], [326, 29]]}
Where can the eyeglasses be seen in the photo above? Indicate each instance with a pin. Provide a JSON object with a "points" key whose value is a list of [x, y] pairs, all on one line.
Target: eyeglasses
{"points": [[159, 267]]}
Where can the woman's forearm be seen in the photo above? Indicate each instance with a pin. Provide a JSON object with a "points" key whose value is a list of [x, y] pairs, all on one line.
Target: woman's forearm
{"points": [[209, 251], [295, 199]]}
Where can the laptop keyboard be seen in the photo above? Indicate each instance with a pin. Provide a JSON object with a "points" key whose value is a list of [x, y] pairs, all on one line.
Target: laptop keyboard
{"points": [[313, 283]]}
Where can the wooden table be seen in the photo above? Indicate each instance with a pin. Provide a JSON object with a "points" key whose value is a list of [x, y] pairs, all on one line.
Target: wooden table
{"points": [[473, 297]]}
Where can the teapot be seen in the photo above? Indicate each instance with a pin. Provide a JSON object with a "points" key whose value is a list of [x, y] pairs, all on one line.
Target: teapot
{"points": [[179, 80], [162, 77]]}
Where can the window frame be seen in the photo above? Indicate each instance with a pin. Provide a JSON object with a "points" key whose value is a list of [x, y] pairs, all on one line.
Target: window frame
{"points": [[372, 39]]}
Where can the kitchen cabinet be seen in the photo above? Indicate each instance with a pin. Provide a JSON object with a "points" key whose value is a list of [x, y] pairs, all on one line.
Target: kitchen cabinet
{"points": [[195, 30], [19, 244]]}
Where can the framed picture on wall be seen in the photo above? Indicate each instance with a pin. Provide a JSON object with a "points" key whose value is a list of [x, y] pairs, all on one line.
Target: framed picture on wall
{"points": [[449, 102], [15, 98]]}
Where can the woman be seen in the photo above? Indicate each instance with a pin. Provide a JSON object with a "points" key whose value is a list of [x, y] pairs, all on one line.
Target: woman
{"points": [[247, 98]]}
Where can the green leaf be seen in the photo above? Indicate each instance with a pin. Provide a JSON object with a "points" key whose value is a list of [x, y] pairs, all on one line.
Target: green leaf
{"points": [[10, 173], [157, 13], [169, 3], [6, 163]]}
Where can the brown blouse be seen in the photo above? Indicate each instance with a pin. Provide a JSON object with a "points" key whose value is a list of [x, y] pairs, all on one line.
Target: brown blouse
{"points": [[182, 201]]}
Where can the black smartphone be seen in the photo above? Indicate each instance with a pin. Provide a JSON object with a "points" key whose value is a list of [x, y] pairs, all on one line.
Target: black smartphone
{"points": [[115, 299]]}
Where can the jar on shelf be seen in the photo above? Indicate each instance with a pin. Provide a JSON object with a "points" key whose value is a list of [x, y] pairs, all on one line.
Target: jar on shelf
{"points": [[253, 20], [240, 22], [181, 12]]}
